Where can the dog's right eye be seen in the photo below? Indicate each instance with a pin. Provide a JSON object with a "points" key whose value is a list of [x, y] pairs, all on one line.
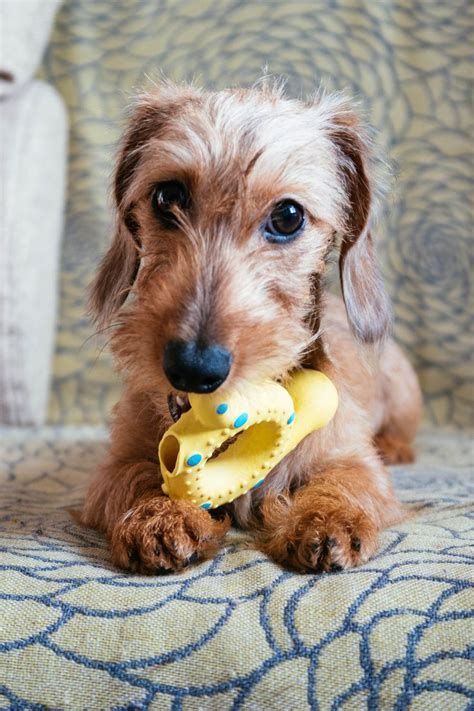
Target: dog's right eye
{"points": [[168, 198]]}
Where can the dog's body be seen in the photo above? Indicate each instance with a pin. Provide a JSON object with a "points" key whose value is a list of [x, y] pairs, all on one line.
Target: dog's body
{"points": [[208, 188]]}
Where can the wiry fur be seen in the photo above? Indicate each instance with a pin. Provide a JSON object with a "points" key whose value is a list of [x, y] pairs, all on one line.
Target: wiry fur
{"points": [[216, 278]]}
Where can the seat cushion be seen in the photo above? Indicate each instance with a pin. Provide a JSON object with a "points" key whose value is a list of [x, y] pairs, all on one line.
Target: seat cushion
{"points": [[237, 631]]}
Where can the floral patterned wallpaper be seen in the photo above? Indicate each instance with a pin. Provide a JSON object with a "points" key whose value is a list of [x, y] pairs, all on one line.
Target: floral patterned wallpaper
{"points": [[410, 65]]}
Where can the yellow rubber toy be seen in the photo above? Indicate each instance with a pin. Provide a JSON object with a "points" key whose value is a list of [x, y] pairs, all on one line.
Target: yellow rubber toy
{"points": [[260, 424]]}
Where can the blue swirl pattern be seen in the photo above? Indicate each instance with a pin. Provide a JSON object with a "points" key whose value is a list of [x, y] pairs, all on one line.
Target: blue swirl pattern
{"points": [[410, 64], [236, 632]]}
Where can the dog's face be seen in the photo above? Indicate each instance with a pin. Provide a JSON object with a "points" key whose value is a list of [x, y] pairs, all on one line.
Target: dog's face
{"points": [[228, 204]]}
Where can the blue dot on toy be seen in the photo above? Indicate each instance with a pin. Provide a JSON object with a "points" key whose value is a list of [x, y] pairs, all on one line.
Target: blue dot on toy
{"points": [[291, 418], [241, 420], [194, 459], [206, 505], [259, 483], [222, 408]]}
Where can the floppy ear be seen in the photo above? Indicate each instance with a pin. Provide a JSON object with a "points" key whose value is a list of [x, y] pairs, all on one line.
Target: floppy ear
{"points": [[119, 266], [367, 305], [115, 277]]}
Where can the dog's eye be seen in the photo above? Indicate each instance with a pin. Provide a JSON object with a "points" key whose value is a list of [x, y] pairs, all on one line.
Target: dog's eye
{"points": [[166, 198], [284, 222]]}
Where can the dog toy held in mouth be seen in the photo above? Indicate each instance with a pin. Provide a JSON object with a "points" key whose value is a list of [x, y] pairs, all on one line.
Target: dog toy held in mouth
{"points": [[227, 443]]}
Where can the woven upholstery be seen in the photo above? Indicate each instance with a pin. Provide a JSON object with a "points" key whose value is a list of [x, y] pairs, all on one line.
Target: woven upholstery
{"points": [[409, 65], [237, 632]]}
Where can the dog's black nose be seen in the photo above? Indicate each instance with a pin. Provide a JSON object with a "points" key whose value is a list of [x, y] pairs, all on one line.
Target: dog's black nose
{"points": [[194, 368]]}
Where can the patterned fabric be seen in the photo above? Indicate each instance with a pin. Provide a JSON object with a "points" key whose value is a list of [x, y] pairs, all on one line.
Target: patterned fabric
{"points": [[236, 632], [409, 64]]}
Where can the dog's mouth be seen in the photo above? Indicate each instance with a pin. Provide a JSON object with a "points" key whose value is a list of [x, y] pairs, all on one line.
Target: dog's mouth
{"points": [[177, 404]]}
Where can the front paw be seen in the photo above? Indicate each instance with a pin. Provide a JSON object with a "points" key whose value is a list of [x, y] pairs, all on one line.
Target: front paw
{"points": [[319, 535], [161, 535]]}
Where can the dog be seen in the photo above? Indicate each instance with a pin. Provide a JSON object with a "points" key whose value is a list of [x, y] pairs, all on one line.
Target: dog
{"points": [[229, 205]]}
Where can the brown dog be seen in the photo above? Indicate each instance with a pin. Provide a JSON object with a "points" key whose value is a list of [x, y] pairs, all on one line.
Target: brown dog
{"points": [[228, 206]]}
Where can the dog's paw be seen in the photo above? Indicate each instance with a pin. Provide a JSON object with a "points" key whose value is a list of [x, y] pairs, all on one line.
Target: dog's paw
{"points": [[324, 538], [161, 536], [343, 542], [394, 450]]}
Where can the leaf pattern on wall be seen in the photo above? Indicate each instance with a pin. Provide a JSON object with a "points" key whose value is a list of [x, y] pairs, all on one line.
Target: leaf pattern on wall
{"points": [[408, 63]]}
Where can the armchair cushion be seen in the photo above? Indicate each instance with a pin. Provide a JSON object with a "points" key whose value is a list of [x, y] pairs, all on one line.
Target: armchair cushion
{"points": [[237, 631]]}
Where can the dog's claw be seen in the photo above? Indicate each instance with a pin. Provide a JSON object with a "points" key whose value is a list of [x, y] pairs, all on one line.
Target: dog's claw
{"points": [[140, 542], [356, 544], [133, 555]]}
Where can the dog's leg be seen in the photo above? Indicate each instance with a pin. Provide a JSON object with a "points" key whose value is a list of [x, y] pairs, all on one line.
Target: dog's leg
{"points": [[148, 532], [333, 522], [394, 449], [402, 406]]}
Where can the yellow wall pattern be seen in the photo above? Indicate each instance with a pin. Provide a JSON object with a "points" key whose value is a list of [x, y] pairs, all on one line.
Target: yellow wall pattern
{"points": [[409, 62]]}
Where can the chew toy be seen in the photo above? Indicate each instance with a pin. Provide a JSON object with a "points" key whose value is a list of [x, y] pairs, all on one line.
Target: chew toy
{"points": [[227, 443]]}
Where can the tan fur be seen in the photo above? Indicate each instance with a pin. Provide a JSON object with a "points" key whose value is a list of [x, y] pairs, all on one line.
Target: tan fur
{"points": [[240, 152]]}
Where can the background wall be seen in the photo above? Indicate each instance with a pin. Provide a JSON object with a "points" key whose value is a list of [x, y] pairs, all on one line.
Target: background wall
{"points": [[407, 60]]}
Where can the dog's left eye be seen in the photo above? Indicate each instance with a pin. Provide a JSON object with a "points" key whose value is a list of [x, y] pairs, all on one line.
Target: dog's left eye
{"points": [[284, 222], [166, 198]]}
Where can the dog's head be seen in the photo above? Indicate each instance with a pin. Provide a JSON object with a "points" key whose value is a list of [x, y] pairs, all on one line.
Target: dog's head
{"points": [[228, 205]]}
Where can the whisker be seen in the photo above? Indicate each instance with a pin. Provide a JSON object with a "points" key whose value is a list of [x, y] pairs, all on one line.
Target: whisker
{"points": [[98, 332], [101, 350]]}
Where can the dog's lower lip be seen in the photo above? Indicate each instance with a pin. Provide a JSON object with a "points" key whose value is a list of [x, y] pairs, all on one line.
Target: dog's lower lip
{"points": [[177, 404]]}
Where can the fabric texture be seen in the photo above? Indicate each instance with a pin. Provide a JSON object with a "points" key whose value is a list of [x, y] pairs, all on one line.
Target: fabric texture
{"points": [[236, 632], [33, 146], [407, 62], [24, 30]]}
